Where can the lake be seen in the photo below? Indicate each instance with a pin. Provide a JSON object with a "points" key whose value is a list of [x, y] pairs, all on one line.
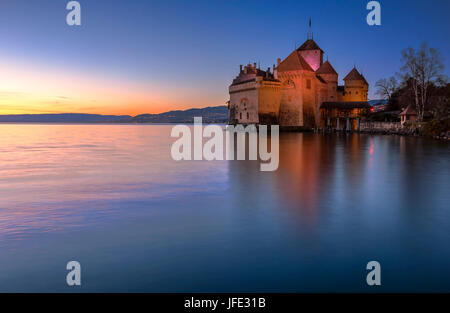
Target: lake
{"points": [[112, 198]]}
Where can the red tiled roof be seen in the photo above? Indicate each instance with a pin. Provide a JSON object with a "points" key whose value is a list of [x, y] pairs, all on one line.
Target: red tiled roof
{"points": [[355, 75], [294, 62], [309, 45], [326, 68]]}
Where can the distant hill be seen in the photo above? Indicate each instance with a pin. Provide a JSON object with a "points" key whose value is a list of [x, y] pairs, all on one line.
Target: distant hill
{"points": [[379, 105], [61, 118], [377, 102], [217, 114]]}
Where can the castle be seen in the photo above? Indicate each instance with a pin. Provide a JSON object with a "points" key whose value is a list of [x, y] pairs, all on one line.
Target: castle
{"points": [[301, 91]]}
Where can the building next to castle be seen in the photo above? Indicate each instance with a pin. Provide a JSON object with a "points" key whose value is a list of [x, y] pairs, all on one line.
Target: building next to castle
{"points": [[300, 91]]}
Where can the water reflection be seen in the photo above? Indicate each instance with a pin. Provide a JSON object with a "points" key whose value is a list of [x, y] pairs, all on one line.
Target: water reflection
{"points": [[112, 196]]}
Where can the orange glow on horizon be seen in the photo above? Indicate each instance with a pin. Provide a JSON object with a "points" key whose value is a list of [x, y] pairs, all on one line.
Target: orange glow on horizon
{"points": [[32, 89]]}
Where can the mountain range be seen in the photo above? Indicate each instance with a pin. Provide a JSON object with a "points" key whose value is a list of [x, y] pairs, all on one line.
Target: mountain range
{"points": [[218, 114]]}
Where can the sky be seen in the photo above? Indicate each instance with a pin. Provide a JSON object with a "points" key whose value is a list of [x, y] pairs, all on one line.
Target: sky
{"points": [[143, 56]]}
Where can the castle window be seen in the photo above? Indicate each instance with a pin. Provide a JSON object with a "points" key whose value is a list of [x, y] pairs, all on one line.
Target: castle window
{"points": [[356, 92], [248, 117], [240, 116], [349, 92], [308, 83]]}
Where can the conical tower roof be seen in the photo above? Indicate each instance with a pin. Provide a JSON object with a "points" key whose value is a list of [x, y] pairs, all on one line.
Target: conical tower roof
{"points": [[309, 44], [294, 62], [355, 75], [326, 68]]}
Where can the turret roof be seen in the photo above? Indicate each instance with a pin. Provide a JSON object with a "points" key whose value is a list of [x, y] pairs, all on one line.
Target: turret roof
{"points": [[294, 62], [309, 44], [355, 75], [326, 68]]}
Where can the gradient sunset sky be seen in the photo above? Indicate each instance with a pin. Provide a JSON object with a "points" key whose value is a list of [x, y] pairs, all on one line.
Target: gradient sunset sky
{"points": [[136, 56]]}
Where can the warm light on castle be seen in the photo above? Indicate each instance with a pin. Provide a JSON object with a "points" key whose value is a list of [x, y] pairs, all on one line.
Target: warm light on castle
{"points": [[300, 91]]}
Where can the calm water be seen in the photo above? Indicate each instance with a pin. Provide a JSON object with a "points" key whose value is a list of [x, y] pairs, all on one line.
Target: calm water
{"points": [[110, 197]]}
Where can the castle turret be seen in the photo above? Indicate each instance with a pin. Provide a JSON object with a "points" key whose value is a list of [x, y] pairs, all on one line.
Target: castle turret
{"points": [[356, 86], [330, 76], [311, 53]]}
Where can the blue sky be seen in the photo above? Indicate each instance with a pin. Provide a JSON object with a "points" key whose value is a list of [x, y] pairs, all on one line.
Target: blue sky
{"points": [[179, 54]]}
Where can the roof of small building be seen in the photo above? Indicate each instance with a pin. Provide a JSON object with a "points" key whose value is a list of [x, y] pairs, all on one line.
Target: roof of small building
{"points": [[355, 75], [294, 62], [326, 68], [309, 44], [346, 105], [409, 110]]}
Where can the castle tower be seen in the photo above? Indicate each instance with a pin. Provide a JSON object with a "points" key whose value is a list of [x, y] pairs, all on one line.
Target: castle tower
{"points": [[356, 86], [330, 76], [254, 97], [312, 54], [295, 75], [310, 51]]}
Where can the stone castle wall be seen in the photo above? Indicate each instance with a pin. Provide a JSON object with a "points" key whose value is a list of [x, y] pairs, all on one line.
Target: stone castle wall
{"points": [[269, 96], [244, 103], [291, 99]]}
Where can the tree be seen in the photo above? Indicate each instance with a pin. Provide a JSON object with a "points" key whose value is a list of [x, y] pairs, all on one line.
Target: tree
{"points": [[386, 87], [421, 69], [439, 102]]}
